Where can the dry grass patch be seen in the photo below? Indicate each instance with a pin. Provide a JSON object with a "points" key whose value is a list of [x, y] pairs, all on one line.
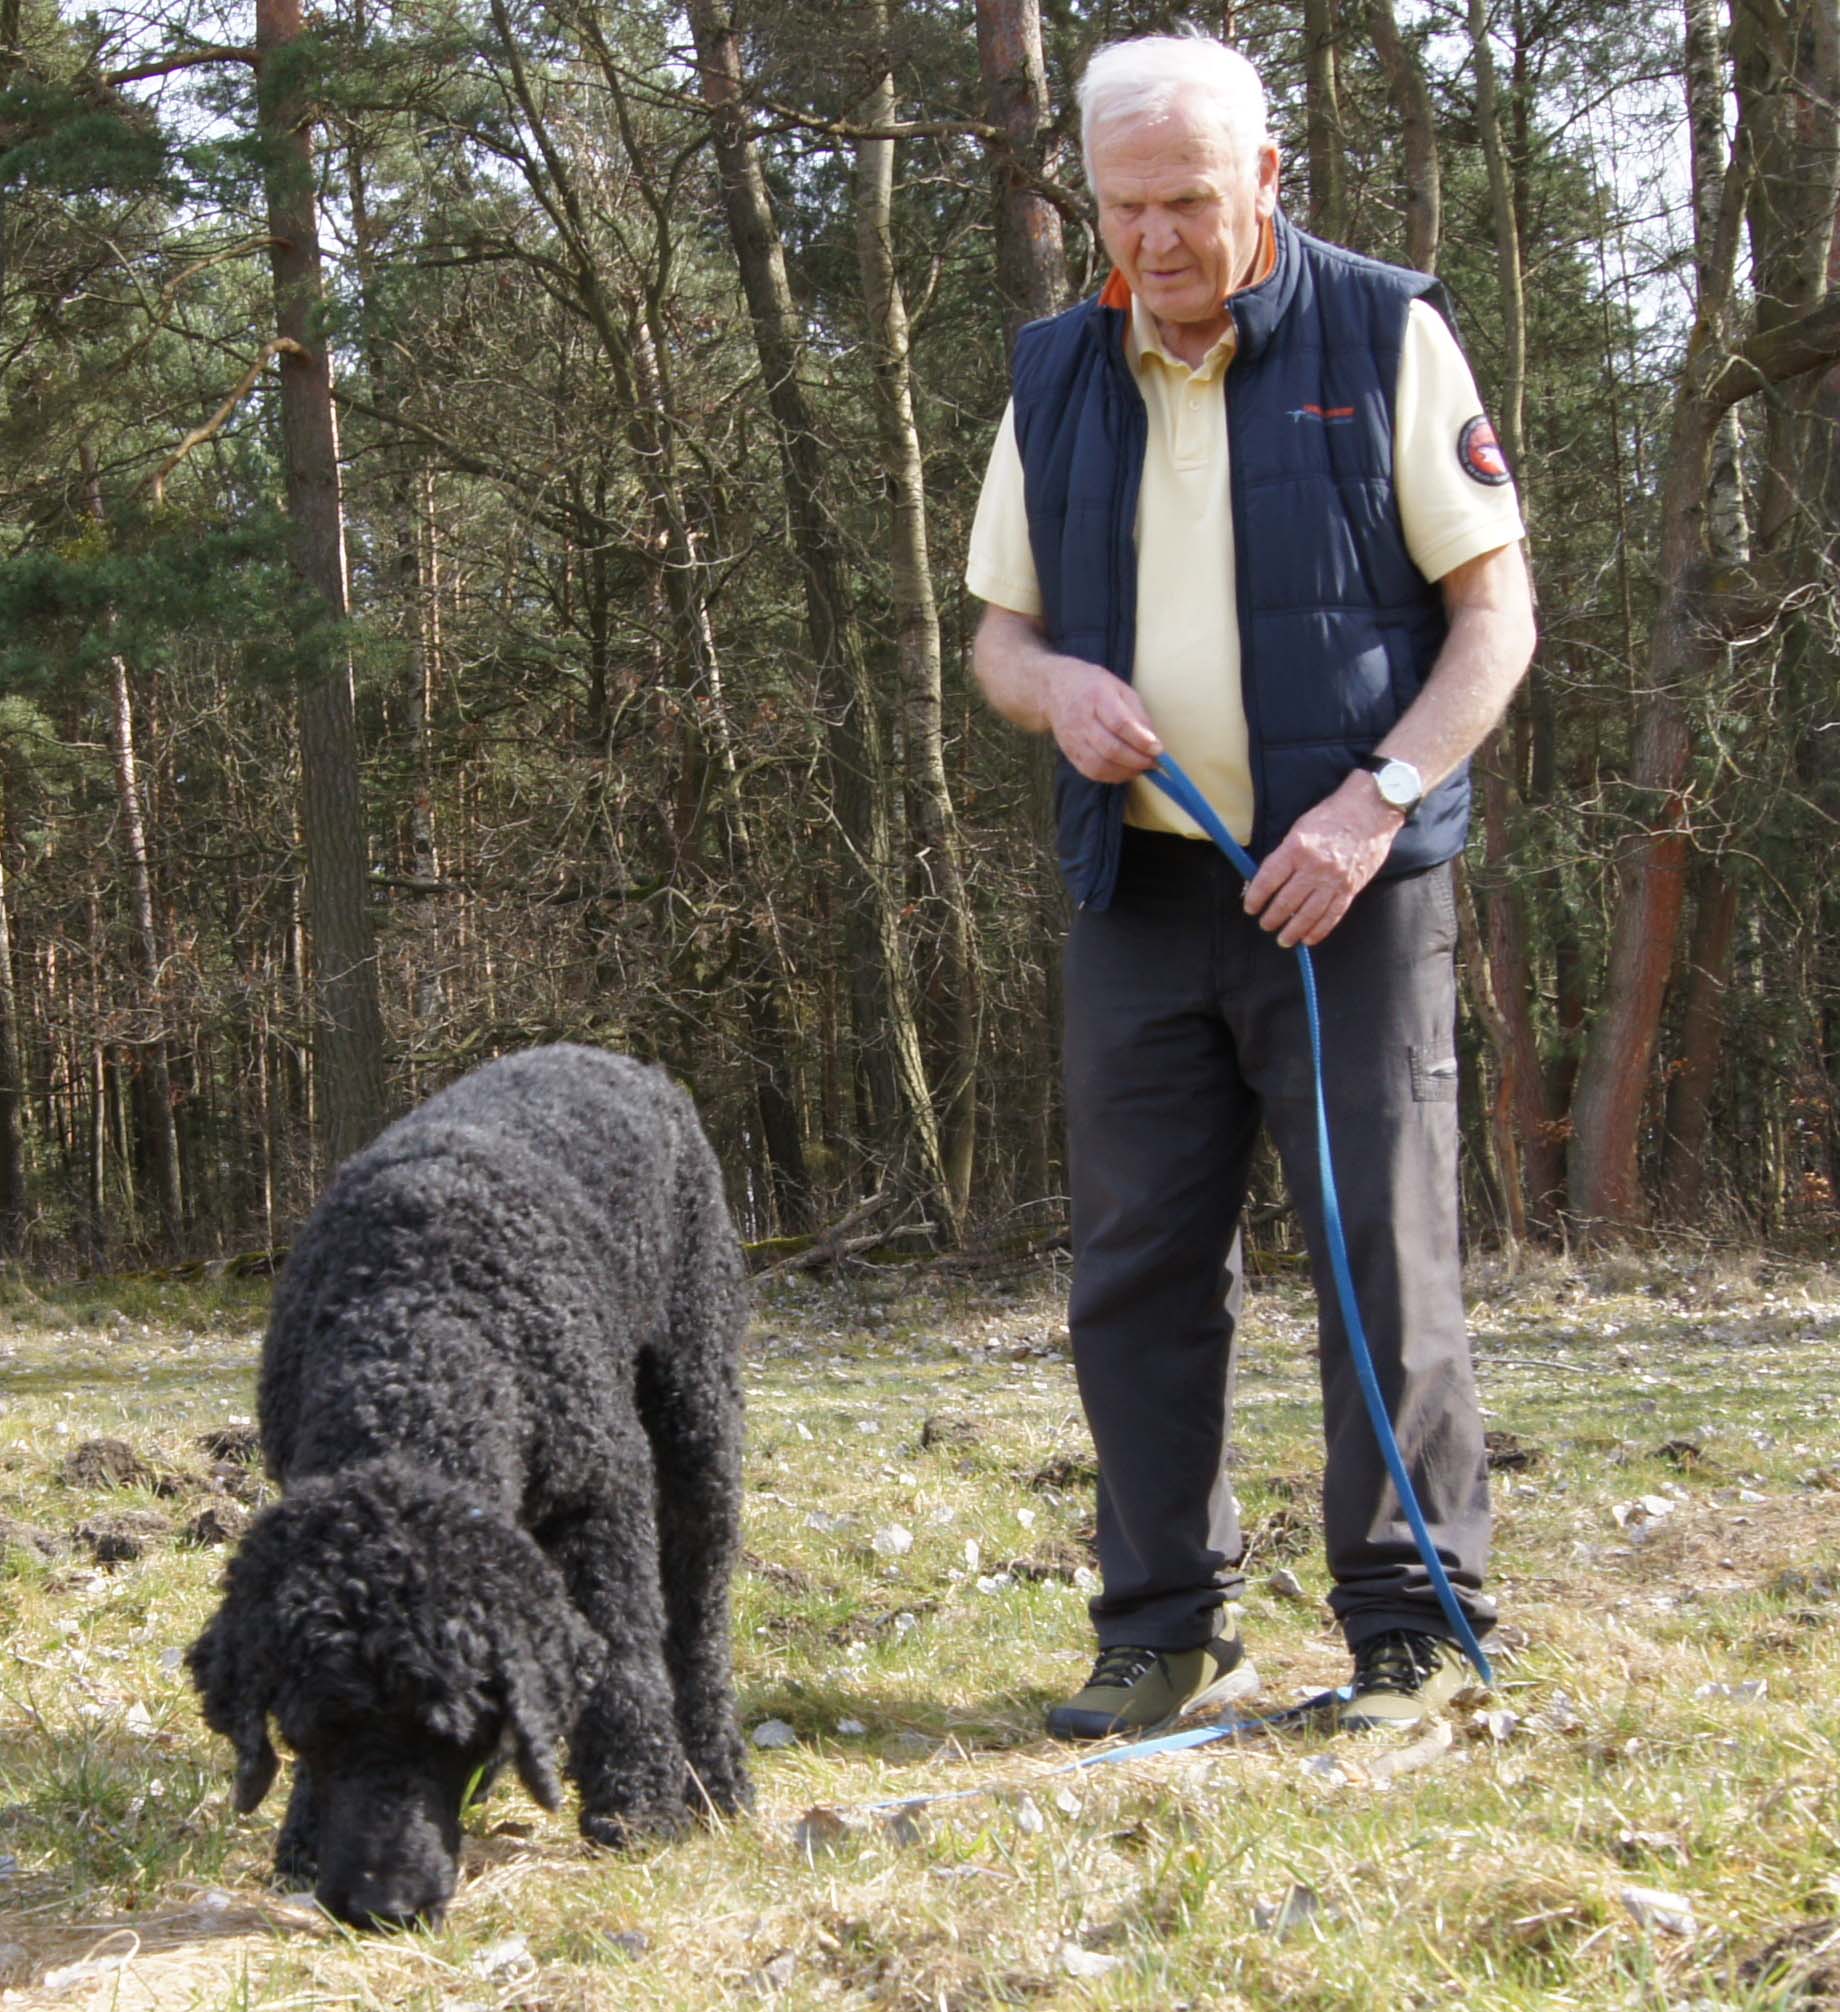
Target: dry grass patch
{"points": [[917, 1528]]}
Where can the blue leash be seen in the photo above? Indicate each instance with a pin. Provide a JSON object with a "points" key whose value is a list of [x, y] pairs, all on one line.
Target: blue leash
{"points": [[1168, 777]]}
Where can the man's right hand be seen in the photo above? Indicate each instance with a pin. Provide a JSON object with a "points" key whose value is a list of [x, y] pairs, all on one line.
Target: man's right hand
{"points": [[1098, 721]]}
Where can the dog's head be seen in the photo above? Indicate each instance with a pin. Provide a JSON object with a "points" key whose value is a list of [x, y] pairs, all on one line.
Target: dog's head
{"points": [[400, 1636]]}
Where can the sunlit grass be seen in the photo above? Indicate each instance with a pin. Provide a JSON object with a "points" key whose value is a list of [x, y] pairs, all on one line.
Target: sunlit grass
{"points": [[916, 1526]]}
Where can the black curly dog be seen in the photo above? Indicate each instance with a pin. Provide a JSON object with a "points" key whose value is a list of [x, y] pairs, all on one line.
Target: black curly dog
{"points": [[501, 1391]]}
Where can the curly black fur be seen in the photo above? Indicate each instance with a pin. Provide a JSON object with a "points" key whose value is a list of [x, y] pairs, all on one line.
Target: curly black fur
{"points": [[501, 1390]]}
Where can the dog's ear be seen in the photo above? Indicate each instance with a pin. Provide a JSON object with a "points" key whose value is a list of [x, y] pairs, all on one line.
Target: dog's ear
{"points": [[231, 1673], [548, 1657]]}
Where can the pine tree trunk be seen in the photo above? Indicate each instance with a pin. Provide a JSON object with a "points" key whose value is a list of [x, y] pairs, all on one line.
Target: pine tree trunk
{"points": [[1695, 1073], [1510, 405], [1031, 255], [1520, 1083], [1032, 281], [153, 1098], [1603, 1171], [1323, 123], [887, 1024], [682, 578], [347, 1009], [945, 905], [1785, 346], [766, 979], [1516, 1052], [13, 1194], [1405, 77]]}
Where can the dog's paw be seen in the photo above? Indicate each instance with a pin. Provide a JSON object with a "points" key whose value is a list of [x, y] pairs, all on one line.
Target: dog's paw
{"points": [[626, 1830], [295, 1869], [720, 1790]]}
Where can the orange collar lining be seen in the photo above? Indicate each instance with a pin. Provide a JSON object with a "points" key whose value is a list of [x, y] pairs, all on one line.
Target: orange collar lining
{"points": [[1116, 291]]}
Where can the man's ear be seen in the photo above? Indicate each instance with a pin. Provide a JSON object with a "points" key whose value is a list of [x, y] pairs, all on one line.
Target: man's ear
{"points": [[232, 1673]]}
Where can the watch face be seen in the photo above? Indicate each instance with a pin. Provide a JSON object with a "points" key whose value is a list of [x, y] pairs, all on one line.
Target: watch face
{"points": [[1399, 784]]}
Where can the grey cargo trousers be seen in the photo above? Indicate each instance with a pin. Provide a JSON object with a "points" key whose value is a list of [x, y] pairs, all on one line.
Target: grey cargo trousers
{"points": [[1185, 1031]]}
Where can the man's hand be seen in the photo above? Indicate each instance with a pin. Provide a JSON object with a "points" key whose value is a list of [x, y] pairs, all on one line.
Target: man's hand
{"points": [[1304, 888], [1099, 722]]}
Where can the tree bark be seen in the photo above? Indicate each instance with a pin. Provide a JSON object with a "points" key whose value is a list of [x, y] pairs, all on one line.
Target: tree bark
{"points": [[1515, 1043], [1511, 404], [624, 323], [1603, 1165], [1503, 1139], [1033, 283], [1031, 253], [1323, 122], [1520, 1081], [858, 765], [945, 905], [1695, 1073], [766, 979], [1405, 76], [153, 1095], [152, 1077], [13, 1192], [348, 1014]]}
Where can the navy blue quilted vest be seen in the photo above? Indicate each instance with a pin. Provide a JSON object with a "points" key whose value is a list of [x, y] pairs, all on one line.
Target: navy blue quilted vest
{"points": [[1338, 628]]}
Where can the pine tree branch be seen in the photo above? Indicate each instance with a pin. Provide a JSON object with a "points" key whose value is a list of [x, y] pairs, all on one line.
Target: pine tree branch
{"points": [[191, 59], [156, 481]]}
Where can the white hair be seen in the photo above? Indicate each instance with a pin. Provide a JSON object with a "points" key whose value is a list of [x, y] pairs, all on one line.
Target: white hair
{"points": [[1143, 79]]}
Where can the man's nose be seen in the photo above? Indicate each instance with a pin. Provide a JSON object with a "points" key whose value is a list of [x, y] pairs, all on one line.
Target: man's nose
{"points": [[1159, 230]]}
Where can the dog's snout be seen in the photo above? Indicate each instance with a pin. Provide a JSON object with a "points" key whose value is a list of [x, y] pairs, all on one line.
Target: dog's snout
{"points": [[384, 1903]]}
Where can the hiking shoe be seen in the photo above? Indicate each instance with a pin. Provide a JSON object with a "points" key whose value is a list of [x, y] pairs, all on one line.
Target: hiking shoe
{"points": [[1401, 1677], [1131, 1690]]}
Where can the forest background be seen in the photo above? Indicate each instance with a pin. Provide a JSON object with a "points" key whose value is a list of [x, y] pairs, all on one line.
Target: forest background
{"points": [[482, 498]]}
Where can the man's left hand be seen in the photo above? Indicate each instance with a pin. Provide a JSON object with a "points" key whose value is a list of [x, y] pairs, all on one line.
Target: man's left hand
{"points": [[1304, 888]]}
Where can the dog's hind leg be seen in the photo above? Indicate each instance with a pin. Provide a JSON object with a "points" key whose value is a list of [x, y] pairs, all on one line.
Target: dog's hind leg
{"points": [[624, 1753]]}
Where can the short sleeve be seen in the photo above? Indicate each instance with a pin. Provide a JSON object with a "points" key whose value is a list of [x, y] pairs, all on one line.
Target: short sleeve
{"points": [[1456, 496], [1000, 565]]}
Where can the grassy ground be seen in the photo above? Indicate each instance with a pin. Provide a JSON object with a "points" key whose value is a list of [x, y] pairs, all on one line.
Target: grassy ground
{"points": [[918, 1498]]}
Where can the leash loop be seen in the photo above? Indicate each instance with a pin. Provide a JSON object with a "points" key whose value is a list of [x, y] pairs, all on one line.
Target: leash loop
{"points": [[1168, 777]]}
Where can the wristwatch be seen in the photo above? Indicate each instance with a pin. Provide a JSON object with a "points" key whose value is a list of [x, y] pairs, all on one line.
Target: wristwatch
{"points": [[1398, 782]]}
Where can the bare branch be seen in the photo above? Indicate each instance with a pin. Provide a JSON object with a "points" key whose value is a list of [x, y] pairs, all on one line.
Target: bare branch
{"points": [[191, 59], [1810, 342], [280, 346]]}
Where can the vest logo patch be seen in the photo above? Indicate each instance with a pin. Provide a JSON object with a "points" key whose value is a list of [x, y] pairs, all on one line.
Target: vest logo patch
{"points": [[1480, 453], [1326, 415]]}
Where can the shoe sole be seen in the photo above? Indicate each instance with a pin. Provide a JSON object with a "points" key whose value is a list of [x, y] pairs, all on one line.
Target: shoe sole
{"points": [[1238, 1679], [1351, 1721], [1366, 1722]]}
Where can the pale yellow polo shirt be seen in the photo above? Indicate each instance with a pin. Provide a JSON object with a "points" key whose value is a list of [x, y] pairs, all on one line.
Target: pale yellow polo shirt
{"points": [[1187, 663]]}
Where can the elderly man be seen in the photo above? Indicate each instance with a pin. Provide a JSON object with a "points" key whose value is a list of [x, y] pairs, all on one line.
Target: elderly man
{"points": [[1245, 505]]}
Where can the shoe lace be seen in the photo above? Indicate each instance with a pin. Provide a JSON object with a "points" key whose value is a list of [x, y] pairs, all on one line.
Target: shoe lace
{"points": [[1396, 1661], [1120, 1667]]}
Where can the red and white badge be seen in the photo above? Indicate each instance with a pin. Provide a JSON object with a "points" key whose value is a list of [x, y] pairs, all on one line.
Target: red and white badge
{"points": [[1480, 453]]}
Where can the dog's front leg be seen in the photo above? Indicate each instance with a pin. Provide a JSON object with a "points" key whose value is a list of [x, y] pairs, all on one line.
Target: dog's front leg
{"points": [[625, 1754], [297, 1848]]}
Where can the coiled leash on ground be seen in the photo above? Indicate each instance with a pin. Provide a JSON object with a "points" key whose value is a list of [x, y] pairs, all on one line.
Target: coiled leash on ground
{"points": [[1167, 776]]}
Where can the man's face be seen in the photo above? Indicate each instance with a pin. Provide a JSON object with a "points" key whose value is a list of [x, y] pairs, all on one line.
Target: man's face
{"points": [[1180, 211]]}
